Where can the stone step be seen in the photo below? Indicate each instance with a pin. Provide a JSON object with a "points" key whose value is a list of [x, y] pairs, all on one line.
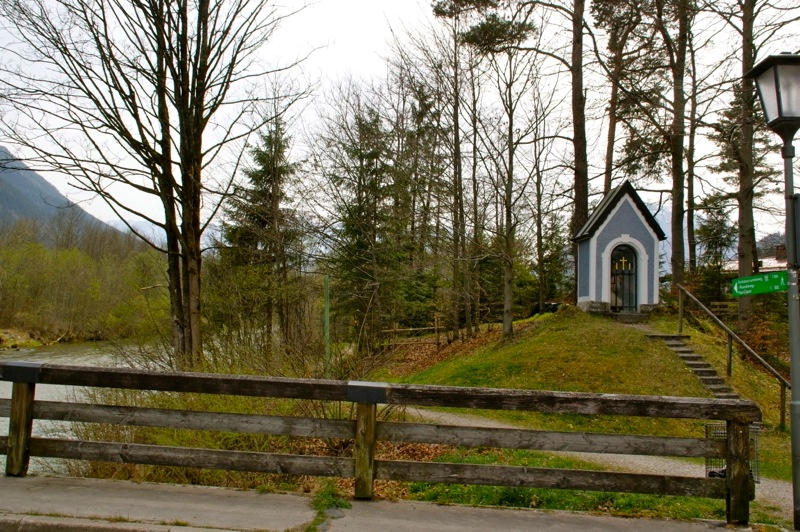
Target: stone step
{"points": [[682, 348], [707, 375], [720, 388], [668, 337], [674, 342], [630, 317], [726, 396]]}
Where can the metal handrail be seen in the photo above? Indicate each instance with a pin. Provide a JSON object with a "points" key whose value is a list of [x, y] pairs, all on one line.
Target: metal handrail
{"points": [[785, 384]]}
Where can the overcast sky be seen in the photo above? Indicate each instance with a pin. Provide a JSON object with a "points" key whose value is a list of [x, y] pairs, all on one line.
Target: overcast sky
{"points": [[343, 37], [352, 33]]}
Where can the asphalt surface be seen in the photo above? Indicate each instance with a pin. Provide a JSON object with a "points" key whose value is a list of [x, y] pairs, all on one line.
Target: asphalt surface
{"points": [[37, 503]]}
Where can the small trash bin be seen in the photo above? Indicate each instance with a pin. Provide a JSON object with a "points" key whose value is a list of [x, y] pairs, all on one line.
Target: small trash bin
{"points": [[715, 467]]}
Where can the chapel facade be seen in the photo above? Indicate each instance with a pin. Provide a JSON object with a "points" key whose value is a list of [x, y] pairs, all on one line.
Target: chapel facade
{"points": [[618, 255]]}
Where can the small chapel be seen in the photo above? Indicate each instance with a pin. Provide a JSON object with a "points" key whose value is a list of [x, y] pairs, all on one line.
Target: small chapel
{"points": [[618, 255]]}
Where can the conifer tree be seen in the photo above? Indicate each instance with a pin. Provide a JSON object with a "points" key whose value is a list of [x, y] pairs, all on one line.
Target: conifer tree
{"points": [[261, 233]]}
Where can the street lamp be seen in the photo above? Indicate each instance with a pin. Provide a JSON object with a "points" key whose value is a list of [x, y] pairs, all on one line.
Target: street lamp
{"points": [[778, 81]]}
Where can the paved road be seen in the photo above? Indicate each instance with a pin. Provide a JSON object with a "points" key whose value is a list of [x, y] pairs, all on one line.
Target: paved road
{"points": [[71, 504]]}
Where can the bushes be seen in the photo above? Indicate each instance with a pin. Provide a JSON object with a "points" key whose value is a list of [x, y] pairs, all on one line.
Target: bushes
{"points": [[67, 293]]}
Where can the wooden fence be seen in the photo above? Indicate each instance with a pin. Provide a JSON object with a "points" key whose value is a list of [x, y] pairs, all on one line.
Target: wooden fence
{"points": [[737, 488]]}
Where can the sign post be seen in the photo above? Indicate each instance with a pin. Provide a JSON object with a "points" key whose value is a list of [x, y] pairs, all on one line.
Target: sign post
{"points": [[763, 283]]}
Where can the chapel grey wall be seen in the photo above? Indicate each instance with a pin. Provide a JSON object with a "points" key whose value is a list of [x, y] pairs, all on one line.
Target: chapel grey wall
{"points": [[584, 263], [625, 219]]}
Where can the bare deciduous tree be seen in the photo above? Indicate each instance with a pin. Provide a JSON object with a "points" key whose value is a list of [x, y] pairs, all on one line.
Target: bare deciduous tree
{"points": [[143, 97]]}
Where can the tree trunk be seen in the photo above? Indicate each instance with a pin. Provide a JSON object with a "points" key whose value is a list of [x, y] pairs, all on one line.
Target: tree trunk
{"points": [[744, 196], [508, 222], [541, 269], [611, 137], [180, 360], [613, 102], [676, 48], [458, 192], [691, 238], [190, 95], [191, 262], [581, 181], [477, 224]]}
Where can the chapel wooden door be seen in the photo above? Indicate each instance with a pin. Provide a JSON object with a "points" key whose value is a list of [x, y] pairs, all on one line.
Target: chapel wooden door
{"points": [[623, 279]]}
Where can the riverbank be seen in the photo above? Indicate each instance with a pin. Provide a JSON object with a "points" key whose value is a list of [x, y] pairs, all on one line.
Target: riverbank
{"points": [[17, 339]]}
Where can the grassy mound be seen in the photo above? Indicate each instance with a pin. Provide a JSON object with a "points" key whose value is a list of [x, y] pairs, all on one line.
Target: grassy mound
{"points": [[571, 351]]}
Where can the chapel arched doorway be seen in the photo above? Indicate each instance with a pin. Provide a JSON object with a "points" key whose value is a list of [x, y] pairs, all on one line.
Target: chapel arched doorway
{"points": [[623, 279]]}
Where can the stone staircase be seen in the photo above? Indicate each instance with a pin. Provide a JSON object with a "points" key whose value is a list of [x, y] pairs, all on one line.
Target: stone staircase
{"points": [[707, 375], [630, 317]]}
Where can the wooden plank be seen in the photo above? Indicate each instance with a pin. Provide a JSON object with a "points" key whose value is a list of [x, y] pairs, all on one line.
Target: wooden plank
{"points": [[20, 427], [195, 420], [410, 342], [3, 444], [417, 329], [737, 474], [550, 441], [211, 383], [366, 415], [548, 478], [489, 398], [5, 407], [130, 453], [574, 402]]}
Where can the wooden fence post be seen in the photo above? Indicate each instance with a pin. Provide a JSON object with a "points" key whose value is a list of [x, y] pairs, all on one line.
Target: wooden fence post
{"points": [[20, 426], [436, 326], [366, 395], [23, 375], [782, 426], [729, 369], [737, 501], [366, 415]]}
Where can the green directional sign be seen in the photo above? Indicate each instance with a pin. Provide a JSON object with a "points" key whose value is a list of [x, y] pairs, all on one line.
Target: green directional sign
{"points": [[762, 283]]}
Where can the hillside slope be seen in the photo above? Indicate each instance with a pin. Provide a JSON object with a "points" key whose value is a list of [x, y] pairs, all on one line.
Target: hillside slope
{"points": [[574, 351], [24, 194], [567, 351]]}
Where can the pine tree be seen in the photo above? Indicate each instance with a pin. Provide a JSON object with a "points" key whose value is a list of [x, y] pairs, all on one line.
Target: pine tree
{"points": [[260, 235]]}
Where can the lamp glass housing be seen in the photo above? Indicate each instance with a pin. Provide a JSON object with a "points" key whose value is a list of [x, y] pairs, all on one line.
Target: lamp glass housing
{"points": [[767, 90], [778, 81], [789, 80]]}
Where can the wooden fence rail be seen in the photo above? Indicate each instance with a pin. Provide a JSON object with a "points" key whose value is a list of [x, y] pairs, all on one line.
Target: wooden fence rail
{"points": [[737, 488]]}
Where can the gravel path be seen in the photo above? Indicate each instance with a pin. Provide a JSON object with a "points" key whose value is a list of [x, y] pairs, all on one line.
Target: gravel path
{"points": [[773, 496]]}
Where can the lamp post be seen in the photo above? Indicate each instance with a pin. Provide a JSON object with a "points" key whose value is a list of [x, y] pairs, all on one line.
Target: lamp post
{"points": [[778, 80]]}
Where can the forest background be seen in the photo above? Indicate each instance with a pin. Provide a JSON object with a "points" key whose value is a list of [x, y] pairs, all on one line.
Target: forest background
{"points": [[443, 193]]}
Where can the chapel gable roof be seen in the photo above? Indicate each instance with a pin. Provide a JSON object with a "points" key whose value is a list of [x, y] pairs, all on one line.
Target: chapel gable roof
{"points": [[607, 205]]}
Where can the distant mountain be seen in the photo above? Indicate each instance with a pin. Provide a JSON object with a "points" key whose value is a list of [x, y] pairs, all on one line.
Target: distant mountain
{"points": [[26, 194]]}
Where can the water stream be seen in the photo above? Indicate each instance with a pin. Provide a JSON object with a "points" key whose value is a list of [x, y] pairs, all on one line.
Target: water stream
{"points": [[85, 354]]}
